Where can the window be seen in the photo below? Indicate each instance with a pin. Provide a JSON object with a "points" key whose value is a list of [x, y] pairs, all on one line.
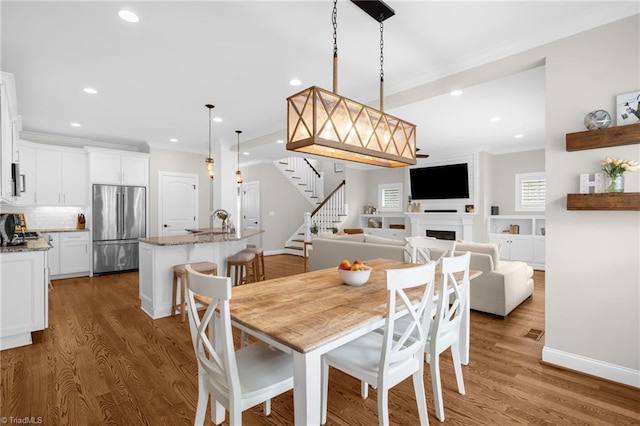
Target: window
{"points": [[390, 197], [531, 190]]}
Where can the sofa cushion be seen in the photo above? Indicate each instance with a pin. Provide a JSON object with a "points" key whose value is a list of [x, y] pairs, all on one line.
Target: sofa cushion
{"points": [[374, 239], [359, 238], [486, 248]]}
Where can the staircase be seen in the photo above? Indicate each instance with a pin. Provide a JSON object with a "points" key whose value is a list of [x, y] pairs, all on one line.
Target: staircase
{"points": [[304, 177], [330, 214]]}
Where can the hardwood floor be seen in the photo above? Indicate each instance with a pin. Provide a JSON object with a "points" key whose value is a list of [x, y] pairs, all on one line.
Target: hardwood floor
{"points": [[103, 361]]}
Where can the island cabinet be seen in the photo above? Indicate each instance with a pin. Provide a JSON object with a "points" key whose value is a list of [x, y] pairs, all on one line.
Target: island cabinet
{"points": [[23, 296], [158, 256]]}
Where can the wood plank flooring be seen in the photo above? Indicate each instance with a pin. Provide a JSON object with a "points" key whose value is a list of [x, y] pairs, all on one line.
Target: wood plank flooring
{"points": [[102, 361]]}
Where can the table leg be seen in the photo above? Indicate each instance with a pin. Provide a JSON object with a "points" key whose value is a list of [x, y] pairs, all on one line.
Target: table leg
{"points": [[306, 388]]}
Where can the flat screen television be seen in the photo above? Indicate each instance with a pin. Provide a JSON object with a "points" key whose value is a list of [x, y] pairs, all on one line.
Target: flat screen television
{"points": [[440, 182]]}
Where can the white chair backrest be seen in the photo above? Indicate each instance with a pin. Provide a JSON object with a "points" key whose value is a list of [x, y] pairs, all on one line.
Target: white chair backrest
{"points": [[219, 364], [453, 293], [405, 347], [420, 248]]}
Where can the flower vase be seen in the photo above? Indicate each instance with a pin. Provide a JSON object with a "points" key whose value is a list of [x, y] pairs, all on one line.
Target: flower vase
{"points": [[616, 184]]}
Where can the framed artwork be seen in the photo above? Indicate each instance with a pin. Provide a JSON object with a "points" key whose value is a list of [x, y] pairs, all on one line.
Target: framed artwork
{"points": [[338, 167], [628, 108]]}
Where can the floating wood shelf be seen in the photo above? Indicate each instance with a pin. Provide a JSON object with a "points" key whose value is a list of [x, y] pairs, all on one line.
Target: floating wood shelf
{"points": [[603, 138], [606, 201]]}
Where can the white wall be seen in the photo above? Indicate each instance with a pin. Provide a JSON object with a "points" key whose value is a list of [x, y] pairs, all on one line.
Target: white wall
{"points": [[503, 170]]}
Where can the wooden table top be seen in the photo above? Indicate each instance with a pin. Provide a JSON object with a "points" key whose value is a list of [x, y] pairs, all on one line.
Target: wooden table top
{"points": [[307, 310]]}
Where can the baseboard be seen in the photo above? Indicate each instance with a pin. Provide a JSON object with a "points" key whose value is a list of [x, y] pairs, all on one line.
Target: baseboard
{"points": [[593, 367]]}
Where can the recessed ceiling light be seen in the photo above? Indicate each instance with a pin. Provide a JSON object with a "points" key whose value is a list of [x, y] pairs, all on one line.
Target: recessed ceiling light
{"points": [[173, 140], [76, 125], [90, 90], [217, 120], [295, 82], [495, 119], [519, 136], [456, 92], [245, 153], [279, 141], [128, 16]]}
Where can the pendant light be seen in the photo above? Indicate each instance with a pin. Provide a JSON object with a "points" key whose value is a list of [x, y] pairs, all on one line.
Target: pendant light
{"points": [[238, 172], [209, 160], [325, 123]]}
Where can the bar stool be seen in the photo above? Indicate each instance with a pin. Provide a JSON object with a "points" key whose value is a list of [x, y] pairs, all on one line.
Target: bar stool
{"points": [[180, 272], [258, 263], [240, 263]]}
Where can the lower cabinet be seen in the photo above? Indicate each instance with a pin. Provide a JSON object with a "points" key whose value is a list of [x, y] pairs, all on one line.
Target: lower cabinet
{"points": [[69, 255], [23, 296]]}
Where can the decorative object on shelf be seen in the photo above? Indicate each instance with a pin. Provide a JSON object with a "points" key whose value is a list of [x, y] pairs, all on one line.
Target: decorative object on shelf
{"points": [[238, 172], [495, 210], [468, 208], [368, 209], [628, 108], [372, 223], [615, 168], [208, 162], [324, 123], [415, 208], [588, 186], [598, 119]]}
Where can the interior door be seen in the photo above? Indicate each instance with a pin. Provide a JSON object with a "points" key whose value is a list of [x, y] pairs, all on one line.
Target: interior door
{"points": [[251, 206], [177, 203]]}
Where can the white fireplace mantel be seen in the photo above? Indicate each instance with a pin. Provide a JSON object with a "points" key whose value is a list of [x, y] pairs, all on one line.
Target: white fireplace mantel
{"points": [[460, 223]]}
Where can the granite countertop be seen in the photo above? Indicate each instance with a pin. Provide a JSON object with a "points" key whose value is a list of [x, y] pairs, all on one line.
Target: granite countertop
{"points": [[32, 245], [208, 236], [52, 230]]}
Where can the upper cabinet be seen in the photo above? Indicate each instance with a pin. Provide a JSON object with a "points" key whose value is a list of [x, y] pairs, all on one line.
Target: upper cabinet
{"points": [[118, 167], [61, 178], [25, 156], [8, 135]]}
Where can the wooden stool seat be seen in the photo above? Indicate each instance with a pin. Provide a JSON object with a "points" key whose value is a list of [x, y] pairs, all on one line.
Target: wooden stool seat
{"points": [[258, 264], [180, 272], [240, 263]]}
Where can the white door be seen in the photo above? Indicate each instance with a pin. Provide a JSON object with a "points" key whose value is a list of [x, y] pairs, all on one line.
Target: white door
{"points": [[177, 203], [251, 209]]}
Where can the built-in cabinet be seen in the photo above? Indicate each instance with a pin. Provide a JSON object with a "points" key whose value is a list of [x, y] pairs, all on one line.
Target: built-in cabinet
{"points": [[61, 178], [519, 237], [23, 296], [118, 167], [69, 255], [388, 225], [8, 135]]}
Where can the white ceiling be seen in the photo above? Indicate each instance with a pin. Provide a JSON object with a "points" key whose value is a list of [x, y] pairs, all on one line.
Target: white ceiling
{"points": [[155, 77]]}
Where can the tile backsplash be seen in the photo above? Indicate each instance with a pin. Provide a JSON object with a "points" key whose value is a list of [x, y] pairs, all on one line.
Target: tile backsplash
{"points": [[47, 217]]}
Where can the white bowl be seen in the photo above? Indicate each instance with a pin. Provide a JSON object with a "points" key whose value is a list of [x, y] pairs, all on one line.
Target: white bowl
{"points": [[355, 278]]}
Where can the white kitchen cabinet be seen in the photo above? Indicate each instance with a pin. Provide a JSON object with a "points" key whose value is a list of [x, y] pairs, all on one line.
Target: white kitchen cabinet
{"points": [[23, 297], [26, 158], [118, 167], [526, 245], [8, 135], [74, 253], [69, 256], [61, 178]]}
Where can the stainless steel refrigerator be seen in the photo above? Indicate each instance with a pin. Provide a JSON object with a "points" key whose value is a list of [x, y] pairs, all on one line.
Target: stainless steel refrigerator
{"points": [[119, 219]]}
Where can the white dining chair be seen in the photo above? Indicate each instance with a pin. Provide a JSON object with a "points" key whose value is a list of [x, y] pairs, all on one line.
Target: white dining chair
{"points": [[419, 248], [445, 327], [381, 359], [237, 380]]}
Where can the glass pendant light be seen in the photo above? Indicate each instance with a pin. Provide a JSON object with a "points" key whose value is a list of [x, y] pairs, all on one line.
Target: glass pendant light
{"points": [[238, 172], [209, 160]]}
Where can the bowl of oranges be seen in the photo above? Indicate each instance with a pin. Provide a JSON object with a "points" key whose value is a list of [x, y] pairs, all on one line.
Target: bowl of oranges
{"points": [[354, 273]]}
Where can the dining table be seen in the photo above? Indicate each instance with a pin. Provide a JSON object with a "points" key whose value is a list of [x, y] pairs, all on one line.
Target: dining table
{"points": [[309, 314]]}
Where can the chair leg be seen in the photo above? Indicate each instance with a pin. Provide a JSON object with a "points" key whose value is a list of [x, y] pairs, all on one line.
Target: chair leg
{"points": [[457, 367], [383, 406], [173, 296], [325, 391], [364, 389], [183, 301], [203, 399], [267, 407], [437, 386], [421, 398]]}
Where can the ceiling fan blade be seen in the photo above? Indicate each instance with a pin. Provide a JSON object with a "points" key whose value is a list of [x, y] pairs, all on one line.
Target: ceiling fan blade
{"points": [[421, 155]]}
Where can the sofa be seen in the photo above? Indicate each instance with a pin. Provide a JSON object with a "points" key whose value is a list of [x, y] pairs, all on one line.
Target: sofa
{"points": [[502, 286]]}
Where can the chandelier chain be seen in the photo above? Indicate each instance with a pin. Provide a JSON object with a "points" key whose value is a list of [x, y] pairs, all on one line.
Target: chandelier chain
{"points": [[334, 20], [381, 51]]}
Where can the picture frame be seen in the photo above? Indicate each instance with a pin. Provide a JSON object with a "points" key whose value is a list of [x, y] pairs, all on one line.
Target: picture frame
{"points": [[468, 208], [628, 108], [338, 167]]}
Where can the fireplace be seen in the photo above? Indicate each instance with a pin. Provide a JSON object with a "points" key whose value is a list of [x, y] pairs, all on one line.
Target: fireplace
{"points": [[460, 224], [441, 235]]}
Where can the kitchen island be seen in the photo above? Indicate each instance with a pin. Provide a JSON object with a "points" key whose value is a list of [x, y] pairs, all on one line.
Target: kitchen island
{"points": [[24, 299], [158, 256]]}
